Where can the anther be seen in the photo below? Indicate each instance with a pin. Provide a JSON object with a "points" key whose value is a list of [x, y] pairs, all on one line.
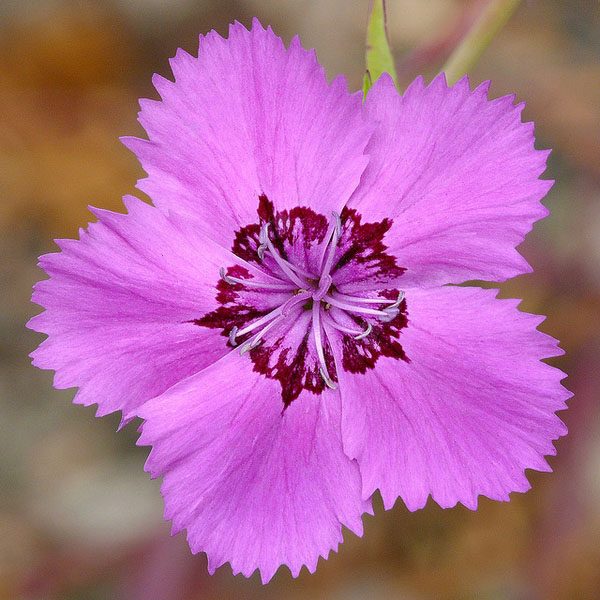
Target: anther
{"points": [[232, 335]]}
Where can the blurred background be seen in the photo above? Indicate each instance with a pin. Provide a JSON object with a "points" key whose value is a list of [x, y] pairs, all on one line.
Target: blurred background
{"points": [[79, 519]]}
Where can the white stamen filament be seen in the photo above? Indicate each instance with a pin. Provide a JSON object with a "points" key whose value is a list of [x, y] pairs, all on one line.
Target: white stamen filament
{"points": [[331, 247], [390, 315], [324, 285], [358, 335], [281, 311], [398, 302], [365, 333], [316, 324], [283, 286], [263, 238], [293, 267], [331, 239], [359, 300], [255, 340], [283, 264], [262, 321], [353, 308], [287, 306], [232, 334]]}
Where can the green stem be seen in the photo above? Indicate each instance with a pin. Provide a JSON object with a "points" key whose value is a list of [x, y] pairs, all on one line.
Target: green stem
{"points": [[467, 53], [378, 57]]}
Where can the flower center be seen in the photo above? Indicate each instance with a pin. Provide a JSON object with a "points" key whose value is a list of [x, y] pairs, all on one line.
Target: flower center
{"points": [[314, 292], [315, 282]]}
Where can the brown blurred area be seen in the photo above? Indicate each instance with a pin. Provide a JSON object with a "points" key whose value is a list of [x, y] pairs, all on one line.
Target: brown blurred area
{"points": [[79, 519]]}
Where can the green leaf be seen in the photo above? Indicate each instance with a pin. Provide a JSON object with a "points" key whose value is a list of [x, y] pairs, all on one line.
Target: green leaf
{"points": [[379, 57]]}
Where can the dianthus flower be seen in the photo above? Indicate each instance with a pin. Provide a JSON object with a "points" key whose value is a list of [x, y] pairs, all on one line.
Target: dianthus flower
{"points": [[280, 319]]}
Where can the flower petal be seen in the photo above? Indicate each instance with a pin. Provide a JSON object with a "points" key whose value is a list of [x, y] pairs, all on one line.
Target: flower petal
{"points": [[471, 410], [120, 304], [458, 174], [245, 118], [253, 485]]}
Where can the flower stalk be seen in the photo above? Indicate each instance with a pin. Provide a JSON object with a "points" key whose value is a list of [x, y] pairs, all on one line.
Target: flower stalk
{"points": [[493, 18], [378, 56]]}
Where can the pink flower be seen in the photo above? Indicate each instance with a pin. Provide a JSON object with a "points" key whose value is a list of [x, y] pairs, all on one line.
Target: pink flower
{"points": [[280, 320]]}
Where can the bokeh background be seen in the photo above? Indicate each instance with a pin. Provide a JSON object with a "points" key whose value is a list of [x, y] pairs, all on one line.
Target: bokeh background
{"points": [[79, 519]]}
